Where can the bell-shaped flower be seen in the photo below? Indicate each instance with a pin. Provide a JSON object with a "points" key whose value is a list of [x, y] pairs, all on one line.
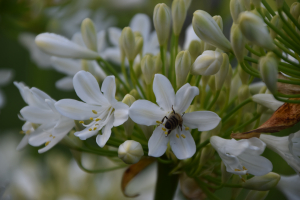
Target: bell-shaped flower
{"points": [[243, 156], [169, 104], [289, 186], [41, 111], [100, 107], [208, 63], [287, 147]]}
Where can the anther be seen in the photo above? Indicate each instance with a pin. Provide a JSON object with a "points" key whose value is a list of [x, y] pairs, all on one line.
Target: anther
{"points": [[90, 129], [163, 129], [22, 132], [244, 168], [177, 135], [187, 128], [50, 135], [81, 122], [96, 124], [182, 135], [28, 132], [97, 119], [159, 122], [53, 137], [95, 128], [94, 111], [166, 132], [91, 117], [47, 143], [237, 170]]}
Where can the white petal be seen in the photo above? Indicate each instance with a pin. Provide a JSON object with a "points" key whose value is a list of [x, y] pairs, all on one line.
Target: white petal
{"points": [[158, 142], [65, 84], [53, 142], [141, 23], [101, 41], [5, 76], [256, 147], [37, 115], [106, 132], [289, 186], [63, 126], [66, 65], [96, 70], [113, 54], [256, 165], [203, 120], [267, 100], [21, 86], [164, 92], [151, 45], [109, 89], [23, 142], [120, 113], [77, 38], [184, 146], [184, 97], [60, 46], [39, 139], [114, 35], [85, 133], [87, 88], [232, 164], [226, 146], [75, 109], [40, 94], [146, 113]]}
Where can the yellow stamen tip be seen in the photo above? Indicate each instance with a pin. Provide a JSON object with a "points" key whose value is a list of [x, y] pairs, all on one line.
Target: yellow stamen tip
{"points": [[163, 129], [96, 124], [47, 143], [95, 128], [91, 118], [90, 129], [166, 132], [50, 135], [177, 135], [28, 132], [244, 168], [97, 119], [187, 128], [22, 132], [158, 122], [81, 122], [182, 135], [237, 170], [53, 137], [94, 111]]}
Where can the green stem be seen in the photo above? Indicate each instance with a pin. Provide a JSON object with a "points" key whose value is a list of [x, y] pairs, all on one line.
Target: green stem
{"points": [[172, 68], [236, 109], [285, 59], [287, 44], [214, 100], [268, 7], [287, 12], [288, 28], [162, 56], [289, 82], [189, 78], [203, 144], [285, 49], [288, 95], [134, 77], [124, 70], [202, 185], [250, 59], [252, 50], [164, 161], [248, 70], [165, 185], [255, 117], [286, 100]]}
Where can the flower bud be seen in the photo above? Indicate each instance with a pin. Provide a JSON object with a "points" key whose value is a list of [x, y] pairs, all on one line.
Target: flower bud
{"points": [[255, 30], [129, 124], [208, 63], [130, 151], [237, 42], [137, 69], [208, 30], [148, 68], [128, 40], [138, 45], [196, 48], [162, 22], [182, 67], [276, 21], [219, 21], [243, 93], [89, 35], [295, 10], [269, 71], [228, 79], [187, 4], [134, 93], [222, 73], [257, 195], [209, 47], [157, 63], [62, 47], [178, 15], [262, 183], [247, 4], [212, 83], [236, 7], [243, 75]]}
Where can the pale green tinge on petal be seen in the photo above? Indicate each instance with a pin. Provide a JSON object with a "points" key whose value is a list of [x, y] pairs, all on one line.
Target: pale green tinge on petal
{"points": [[267, 100], [158, 142], [106, 132], [164, 92], [184, 97], [89, 36], [203, 120]]}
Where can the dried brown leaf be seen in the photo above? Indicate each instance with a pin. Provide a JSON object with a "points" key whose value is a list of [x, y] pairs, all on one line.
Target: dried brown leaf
{"points": [[132, 171], [285, 88], [284, 117]]}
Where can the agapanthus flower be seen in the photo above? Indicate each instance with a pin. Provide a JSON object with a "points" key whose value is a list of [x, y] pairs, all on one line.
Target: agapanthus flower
{"points": [[289, 186], [147, 113], [100, 107], [243, 156]]}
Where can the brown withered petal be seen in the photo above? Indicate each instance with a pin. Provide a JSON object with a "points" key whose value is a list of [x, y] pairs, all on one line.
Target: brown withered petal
{"points": [[132, 171], [285, 88], [284, 117]]}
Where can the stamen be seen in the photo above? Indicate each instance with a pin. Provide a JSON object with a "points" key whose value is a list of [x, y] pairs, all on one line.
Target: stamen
{"points": [[237, 170], [166, 132], [96, 124], [97, 119], [92, 118], [94, 111], [81, 122], [182, 135], [163, 129], [28, 132], [90, 129], [50, 135], [95, 128], [22, 132], [53, 137], [159, 122], [177, 135], [243, 180], [47, 143], [187, 128], [244, 168]]}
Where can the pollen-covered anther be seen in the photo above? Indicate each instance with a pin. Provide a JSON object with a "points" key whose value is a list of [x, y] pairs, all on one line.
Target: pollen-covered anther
{"points": [[177, 135], [81, 122], [159, 122], [182, 135], [244, 168], [91, 117], [98, 119], [94, 111], [28, 132], [187, 128], [50, 135], [22, 132], [163, 129], [95, 128], [166, 132], [90, 129], [53, 137], [47, 143], [237, 170], [97, 124]]}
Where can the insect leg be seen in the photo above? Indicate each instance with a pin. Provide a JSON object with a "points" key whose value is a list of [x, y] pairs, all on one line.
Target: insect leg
{"points": [[182, 114], [173, 109], [164, 119]]}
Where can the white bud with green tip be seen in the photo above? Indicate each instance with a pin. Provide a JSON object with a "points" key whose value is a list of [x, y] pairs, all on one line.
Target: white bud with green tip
{"points": [[89, 35], [208, 63], [221, 75], [269, 72], [178, 15], [238, 42], [162, 22], [183, 64]]}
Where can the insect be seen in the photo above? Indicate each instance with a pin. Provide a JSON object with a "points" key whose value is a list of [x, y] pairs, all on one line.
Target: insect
{"points": [[174, 120]]}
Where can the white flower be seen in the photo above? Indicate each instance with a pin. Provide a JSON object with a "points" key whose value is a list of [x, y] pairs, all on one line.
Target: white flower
{"points": [[243, 156], [267, 100], [103, 109], [146, 113], [208, 63], [140, 22], [289, 186], [5, 77], [287, 147], [41, 111]]}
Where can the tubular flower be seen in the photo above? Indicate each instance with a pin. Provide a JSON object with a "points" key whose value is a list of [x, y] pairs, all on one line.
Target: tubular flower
{"points": [[243, 156], [41, 111], [147, 113], [100, 107]]}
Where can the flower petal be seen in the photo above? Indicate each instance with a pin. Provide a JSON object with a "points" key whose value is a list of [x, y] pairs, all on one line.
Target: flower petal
{"points": [[184, 97], [113, 54], [76, 110], [21, 86], [65, 84], [267, 100], [53, 142], [106, 132], [86, 133], [141, 23], [146, 113], [190, 35], [66, 65], [164, 92], [101, 41], [114, 35], [23, 142], [5, 76], [182, 144], [2, 99], [39, 139], [87, 89], [109, 89], [63, 126], [37, 115], [232, 164], [232, 147], [256, 165], [120, 113], [203, 120], [158, 142]]}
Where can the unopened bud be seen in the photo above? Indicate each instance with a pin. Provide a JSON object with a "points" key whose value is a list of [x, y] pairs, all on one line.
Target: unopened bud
{"points": [[208, 30], [228, 79], [269, 71], [222, 73], [257, 195], [182, 67], [219, 21], [128, 40], [196, 48], [256, 3], [255, 30], [243, 93], [295, 10], [187, 4], [247, 4], [276, 21], [148, 68], [137, 69], [138, 45], [243, 75], [208, 46], [157, 63], [208, 63], [130, 151], [135, 94], [162, 22], [236, 7], [129, 124], [89, 35], [237, 42], [262, 183], [178, 15], [212, 83]]}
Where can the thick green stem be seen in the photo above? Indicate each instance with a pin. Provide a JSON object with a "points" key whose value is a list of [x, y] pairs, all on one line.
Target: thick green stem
{"points": [[165, 185], [214, 100], [124, 70], [236, 109]]}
